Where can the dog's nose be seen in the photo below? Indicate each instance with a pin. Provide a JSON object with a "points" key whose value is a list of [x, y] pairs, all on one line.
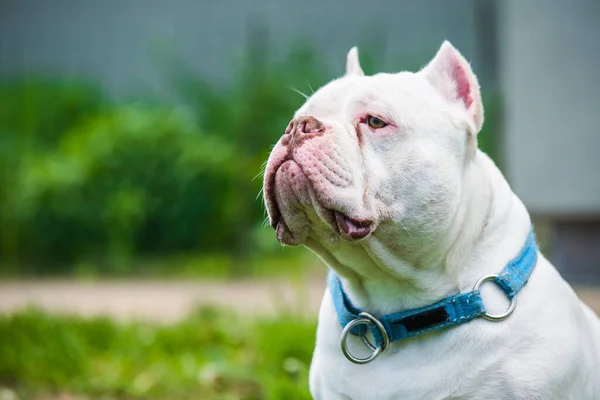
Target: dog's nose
{"points": [[303, 125]]}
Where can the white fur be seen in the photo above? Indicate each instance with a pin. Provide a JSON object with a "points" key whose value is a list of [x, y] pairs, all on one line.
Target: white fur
{"points": [[443, 216], [353, 64]]}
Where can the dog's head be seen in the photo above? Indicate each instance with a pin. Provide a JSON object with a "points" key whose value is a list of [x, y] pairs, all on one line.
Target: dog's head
{"points": [[376, 156]]}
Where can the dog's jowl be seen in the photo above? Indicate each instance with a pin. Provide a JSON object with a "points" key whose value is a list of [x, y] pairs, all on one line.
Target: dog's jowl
{"points": [[437, 289]]}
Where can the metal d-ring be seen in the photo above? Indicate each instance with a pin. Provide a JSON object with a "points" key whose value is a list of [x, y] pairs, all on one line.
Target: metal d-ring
{"points": [[492, 317], [365, 319]]}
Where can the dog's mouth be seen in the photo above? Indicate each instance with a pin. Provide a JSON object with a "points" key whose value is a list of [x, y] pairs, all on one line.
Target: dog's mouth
{"points": [[352, 229], [348, 228]]}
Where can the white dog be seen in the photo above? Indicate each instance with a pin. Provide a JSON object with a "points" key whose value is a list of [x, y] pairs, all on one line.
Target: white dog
{"points": [[381, 177]]}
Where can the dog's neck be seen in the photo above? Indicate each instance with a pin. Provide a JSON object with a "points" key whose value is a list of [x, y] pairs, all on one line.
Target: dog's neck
{"points": [[383, 278]]}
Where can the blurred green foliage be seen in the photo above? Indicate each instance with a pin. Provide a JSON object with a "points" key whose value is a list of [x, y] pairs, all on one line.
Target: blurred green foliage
{"points": [[85, 181], [88, 181], [210, 355]]}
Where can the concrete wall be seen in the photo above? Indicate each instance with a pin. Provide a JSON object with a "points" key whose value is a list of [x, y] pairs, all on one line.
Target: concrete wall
{"points": [[123, 43], [549, 52]]}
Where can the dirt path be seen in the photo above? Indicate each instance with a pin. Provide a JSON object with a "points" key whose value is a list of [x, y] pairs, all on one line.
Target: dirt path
{"points": [[164, 301], [168, 301]]}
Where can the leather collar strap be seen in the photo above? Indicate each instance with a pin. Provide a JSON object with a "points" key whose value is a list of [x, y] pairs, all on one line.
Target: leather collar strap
{"points": [[451, 311]]}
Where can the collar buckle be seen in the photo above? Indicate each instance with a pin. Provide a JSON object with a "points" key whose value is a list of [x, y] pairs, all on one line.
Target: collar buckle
{"points": [[511, 307], [364, 319]]}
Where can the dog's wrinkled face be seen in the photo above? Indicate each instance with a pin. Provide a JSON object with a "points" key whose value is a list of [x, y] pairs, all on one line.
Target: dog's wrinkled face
{"points": [[371, 155]]}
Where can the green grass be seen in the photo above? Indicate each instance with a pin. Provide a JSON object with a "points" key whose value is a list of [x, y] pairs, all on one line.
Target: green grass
{"points": [[285, 262], [212, 354]]}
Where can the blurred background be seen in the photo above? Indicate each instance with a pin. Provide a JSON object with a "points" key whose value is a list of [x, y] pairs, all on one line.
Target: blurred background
{"points": [[135, 262]]}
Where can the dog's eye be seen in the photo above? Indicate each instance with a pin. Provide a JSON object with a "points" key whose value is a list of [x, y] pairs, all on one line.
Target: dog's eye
{"points": [[375, 122]]}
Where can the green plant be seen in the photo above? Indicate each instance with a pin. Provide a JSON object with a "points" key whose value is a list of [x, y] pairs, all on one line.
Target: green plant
{"points": [[129, 180], [213, 354], [34, 113], [113, 182]]}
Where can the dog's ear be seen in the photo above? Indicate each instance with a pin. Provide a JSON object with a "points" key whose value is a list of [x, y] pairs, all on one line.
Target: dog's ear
{"points": [[353, 64], [453, 77]]}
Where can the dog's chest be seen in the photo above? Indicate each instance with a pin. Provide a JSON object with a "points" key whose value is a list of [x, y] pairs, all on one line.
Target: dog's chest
{"points": [[424, 369], [387, 381]]}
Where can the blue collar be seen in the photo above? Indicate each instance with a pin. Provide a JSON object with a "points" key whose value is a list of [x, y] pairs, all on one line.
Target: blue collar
{"points": [[451, 311]]}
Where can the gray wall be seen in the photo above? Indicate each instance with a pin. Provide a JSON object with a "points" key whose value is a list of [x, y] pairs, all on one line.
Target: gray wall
{"points": [[550, 72], [122, 42]]}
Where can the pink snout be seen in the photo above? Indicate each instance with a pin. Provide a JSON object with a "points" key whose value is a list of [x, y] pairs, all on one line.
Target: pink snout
{"points": [[310, 173], [303, 125]]}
